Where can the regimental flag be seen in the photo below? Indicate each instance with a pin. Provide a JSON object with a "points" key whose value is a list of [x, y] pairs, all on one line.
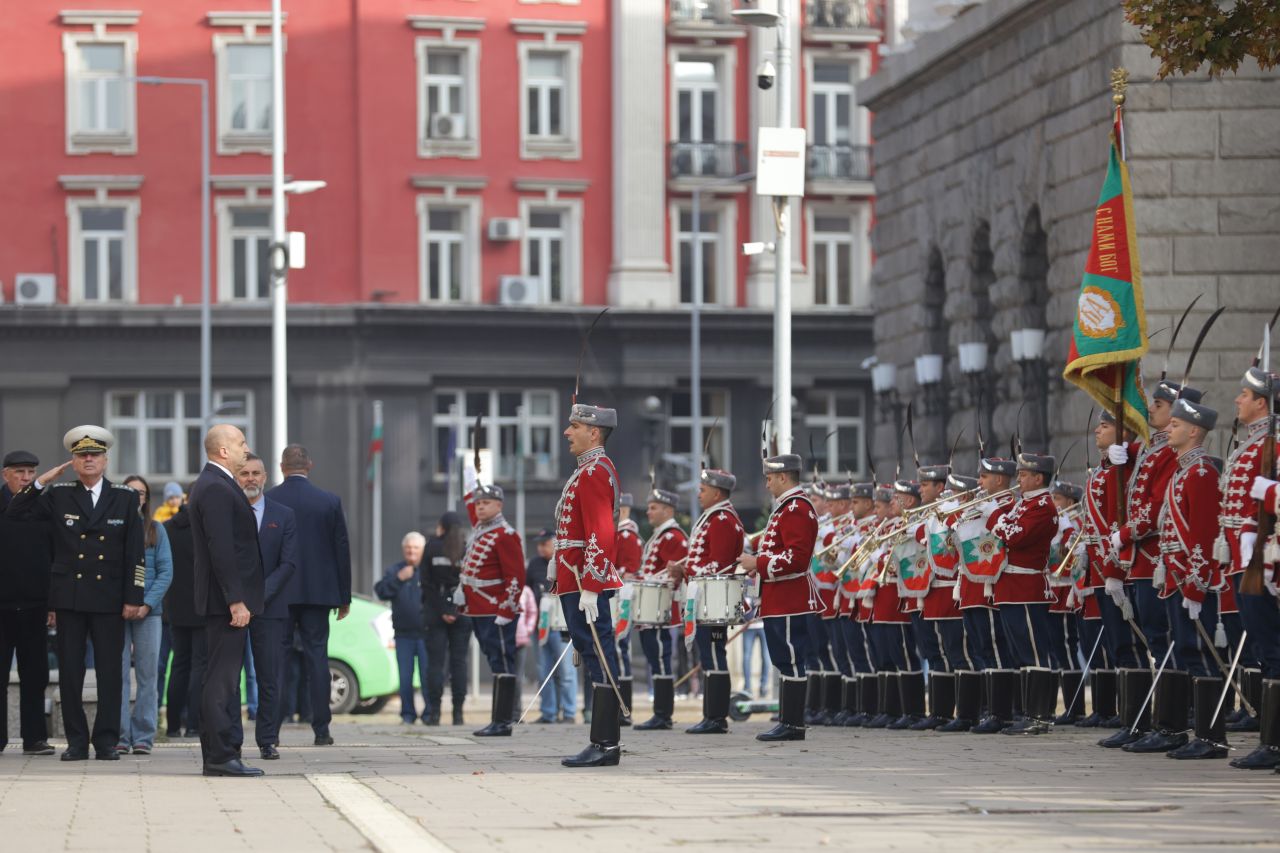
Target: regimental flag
{"points": [[982, 552], [544, 617], [1110, 333], [622, 620], [690, 613], [375, 450]]}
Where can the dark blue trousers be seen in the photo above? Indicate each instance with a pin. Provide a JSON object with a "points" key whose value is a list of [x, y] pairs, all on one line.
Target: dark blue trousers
{"points": [[656, 645], [623, 651], [892, 648], [836, 636], [1091, 637], [1152, 617], [411, 652], [1063, 640], [267, 639], [710, 640], [928, 643], [1026, 629], [1190, 653], [498, 643], [580, 634], [985, 636], [312, 622], [819, 658], [1124, 650], [950, 638], [856, 645], [1261, 618], [787, 638]]}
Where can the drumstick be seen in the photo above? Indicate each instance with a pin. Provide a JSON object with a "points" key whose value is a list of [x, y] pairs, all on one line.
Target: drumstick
{"points": [[698, 667]]}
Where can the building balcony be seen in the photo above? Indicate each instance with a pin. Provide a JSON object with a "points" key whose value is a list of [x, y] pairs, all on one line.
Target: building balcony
{"points": [[691, 162], [839, 170], [844, 21], [701, 19]]}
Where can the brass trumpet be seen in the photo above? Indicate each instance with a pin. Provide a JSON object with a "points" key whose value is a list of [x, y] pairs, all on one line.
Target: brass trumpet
{"points": [[1070, 556], [872, 540], [984, 498]]}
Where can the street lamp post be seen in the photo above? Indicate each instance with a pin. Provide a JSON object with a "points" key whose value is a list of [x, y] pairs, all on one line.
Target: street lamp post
{"points": [[884, 382], [973, 364], [279, 250], [1027, 347]]}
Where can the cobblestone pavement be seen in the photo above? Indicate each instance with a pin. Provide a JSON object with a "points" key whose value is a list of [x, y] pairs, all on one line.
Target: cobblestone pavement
{"points": [[393, 788]]}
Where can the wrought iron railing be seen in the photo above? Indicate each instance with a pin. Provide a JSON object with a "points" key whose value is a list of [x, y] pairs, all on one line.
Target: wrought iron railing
{"points": [[845, 14], [706, 159], [839, 163]]}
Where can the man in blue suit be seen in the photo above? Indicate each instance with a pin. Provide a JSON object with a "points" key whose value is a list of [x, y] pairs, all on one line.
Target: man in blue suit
{"points": [[269, 634], [323, 578]]}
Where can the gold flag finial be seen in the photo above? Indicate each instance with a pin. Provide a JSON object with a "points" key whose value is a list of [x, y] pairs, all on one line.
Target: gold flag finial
{"points": [[1119, 85]]}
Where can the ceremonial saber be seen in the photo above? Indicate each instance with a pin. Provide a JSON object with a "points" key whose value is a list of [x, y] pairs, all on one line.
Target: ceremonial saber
{"points": [[1222, 667], [550, 674], [1152, 691], [1234, 662], [1088, 666]]}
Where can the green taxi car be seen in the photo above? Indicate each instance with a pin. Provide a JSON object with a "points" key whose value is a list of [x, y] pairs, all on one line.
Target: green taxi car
{"points": [[363, 673]]}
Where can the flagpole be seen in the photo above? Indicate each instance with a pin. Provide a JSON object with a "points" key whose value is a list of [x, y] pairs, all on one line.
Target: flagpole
{"points": [[376, 526], [1119, 86]]}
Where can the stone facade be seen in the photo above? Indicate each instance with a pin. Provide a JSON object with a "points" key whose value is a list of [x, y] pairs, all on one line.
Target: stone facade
{"points": [[991, 141]]}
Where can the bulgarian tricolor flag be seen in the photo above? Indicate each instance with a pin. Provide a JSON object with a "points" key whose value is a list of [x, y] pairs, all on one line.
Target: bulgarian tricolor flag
{"points": [[375, 450], [1110, 334]]}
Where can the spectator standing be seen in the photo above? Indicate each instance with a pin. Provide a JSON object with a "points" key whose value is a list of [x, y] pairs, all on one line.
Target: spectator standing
{"points": [[186, 633], [448, 632], [560, 696], [526, 630], [173, 499], [142, 635], [26, 550], [402, 586], [324, 574]]}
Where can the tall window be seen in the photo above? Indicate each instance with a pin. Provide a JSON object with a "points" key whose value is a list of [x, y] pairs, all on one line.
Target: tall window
{"points": [[833, 260], [697, 116], [519, 426], [448, 108], [546, 239], [249, 235], [161, 434], [102, 252], [445, 82], [249, 88], [443, 249], [707, 234], [544, 90], [714, 420], [836, 423], [832, 103], [99, 96]]}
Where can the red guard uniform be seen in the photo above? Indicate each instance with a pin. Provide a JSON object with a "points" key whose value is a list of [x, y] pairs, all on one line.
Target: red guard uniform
{"points": [[1027, 528], [1188, 528], [1139, 535], [973, 594], [667, 545], [886, 609], [627, 550], [492, 575], [1100, 520], [785, 549], [716, 541], [585, 527], [1239, 509], [941, 603]]}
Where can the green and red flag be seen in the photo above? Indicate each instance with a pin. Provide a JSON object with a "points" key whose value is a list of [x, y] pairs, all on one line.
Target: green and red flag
{"points": [[1110, 333], [375, 450]]}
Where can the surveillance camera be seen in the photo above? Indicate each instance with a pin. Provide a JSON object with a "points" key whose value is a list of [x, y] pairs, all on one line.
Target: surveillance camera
{"points": [[766, 74]]}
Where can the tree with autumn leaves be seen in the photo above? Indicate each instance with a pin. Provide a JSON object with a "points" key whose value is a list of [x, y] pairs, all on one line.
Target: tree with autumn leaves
{"points": [[1187, 35]]}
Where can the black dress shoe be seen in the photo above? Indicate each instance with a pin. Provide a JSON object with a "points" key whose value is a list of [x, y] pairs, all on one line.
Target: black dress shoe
{"points": [[709, 727], [840, 719], [1198, 749], [1029, 726], [234, 767], [782, 731], [1119, 739], [1066, 720], [71, 754], [1262, 758], [191, 733], [432, 719], [904, 722], [1247, 723], [1112, 723], [959, 724], [457, 717], [324, 740], [107, 754], [928, 724], [595, 755], [654, 723], [494, 729], [1157, 742], [989, 725], [40, 747], [858, 720], [1090, 722], [879, 721], [269, 752]]}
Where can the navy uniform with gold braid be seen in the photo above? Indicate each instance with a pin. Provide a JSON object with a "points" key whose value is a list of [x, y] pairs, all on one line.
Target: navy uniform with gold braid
{"points": [[99, 566]]}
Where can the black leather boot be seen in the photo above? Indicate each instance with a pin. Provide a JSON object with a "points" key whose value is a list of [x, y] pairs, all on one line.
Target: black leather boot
{"points": [[1072, 681], [1172, 701], [911, 689], [1040, 702], [942, 701], [790, 712], [848, 700], [1134, 685], [868, 699], [604, 749], [715, 706], [889, 701], [1001, 686], [664, 704], [624, 687], [1267, 755], [1102, 691], [1211, 735], [832, 697], [812, 699], [500, 709], [1251, 686], [968, 687]]}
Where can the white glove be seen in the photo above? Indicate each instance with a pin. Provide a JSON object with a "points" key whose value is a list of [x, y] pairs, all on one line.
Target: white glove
{"points": [[1118, 454], [1258, 491], [469, 479], [1082, 554], [1192, 608], [1247, 541], [1115, 588], [459, 597], [988, 507], [588, 605], [1115, 541], [501, 621], [1271, 586]]}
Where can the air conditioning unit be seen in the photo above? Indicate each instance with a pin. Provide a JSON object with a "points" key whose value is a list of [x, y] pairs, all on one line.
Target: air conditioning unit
{"points": [[504, 229], [519, 290], [30, 288], [448, 126]]}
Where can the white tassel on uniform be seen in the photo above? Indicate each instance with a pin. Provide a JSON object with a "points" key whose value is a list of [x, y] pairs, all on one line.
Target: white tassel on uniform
{"points": [[1221, 553], [1220, 635], [1157, 576]]}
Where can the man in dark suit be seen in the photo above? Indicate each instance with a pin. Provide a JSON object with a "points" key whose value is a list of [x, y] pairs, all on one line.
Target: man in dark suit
{"points": [[323, 580], [229, 590], [96, 580], [277, 536]]}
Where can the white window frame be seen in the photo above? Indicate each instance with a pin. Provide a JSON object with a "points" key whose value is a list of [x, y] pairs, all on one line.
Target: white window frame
{"points": [[470, 207], [81, 142], [859, 213], [236, 141], [226, 257], [459, 420], [567, 146], [179, 424], [859, 116], [708, 421], [469, 48], [75, 244], [726, 210], [827, 420], [572, 265]]}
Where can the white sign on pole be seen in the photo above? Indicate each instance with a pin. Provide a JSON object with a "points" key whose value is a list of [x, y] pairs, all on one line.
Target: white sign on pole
{"points": [[780, 161], [297, 250]]}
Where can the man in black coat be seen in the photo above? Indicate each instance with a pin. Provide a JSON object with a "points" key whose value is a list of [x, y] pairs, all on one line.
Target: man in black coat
{"points": [[96, 580], [323, 580], [26, 550], [186, 630], [229, 588]]}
